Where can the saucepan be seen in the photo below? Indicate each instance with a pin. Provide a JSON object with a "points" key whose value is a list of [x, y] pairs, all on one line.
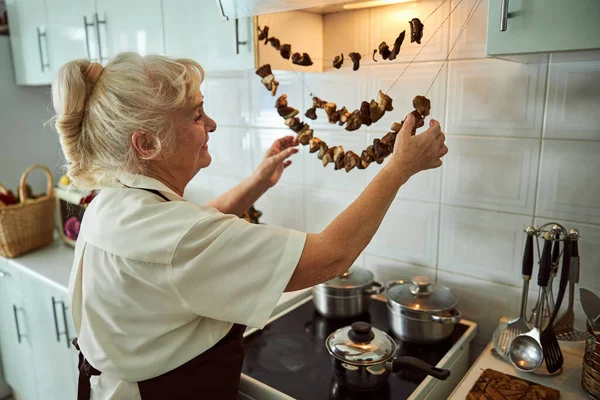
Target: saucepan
{"points": [[348, 295], [363, 357]]}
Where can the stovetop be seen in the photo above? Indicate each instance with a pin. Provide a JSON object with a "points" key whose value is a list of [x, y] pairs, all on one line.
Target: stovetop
{"points": [[289, 355]]}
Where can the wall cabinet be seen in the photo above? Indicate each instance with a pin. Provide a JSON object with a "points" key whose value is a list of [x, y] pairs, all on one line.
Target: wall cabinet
{"points": [[534, 26], [38, 360]]}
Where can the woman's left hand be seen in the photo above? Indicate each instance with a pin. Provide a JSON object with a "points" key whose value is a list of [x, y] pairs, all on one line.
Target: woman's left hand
{"points": [[276, 160]]}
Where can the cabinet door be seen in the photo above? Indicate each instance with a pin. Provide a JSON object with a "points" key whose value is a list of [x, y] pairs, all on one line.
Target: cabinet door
{"points": [[51, 339], [130, 25], [543, 26], [195, 29], [29, 41], [71, 31], [15, 339]]}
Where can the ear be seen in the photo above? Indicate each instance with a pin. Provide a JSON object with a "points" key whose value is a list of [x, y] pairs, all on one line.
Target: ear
{"points": [[147, 146]]}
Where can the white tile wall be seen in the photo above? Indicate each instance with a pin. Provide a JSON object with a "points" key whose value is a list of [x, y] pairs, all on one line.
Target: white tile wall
{"points": [[495, 98], [569, 181], [573, 101], [482, 244], [491, 173], [464, 222], [408, 233]]}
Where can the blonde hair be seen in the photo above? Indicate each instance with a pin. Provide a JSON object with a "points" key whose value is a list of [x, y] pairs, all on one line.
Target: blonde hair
{"points": [[95, 120]]}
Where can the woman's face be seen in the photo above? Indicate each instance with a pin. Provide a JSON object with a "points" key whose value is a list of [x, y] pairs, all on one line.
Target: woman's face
{"points": [[193, 127]]}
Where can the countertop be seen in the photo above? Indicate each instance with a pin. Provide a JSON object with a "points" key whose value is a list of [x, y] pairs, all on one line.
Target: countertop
{"points": [[568, 382], [53, 263]]}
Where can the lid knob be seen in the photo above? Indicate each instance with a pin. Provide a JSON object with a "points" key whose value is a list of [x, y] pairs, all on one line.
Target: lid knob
{"points": [[421, 285], [361, 332]]}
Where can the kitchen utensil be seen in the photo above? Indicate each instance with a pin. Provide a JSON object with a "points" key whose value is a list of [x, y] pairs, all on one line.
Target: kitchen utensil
{"points": [[499, 386], [591, 307], [362, 357], [420, 311], [555, 256], [590, 374], [519, 325], [348, 295], [525, 350], [551, 349]]}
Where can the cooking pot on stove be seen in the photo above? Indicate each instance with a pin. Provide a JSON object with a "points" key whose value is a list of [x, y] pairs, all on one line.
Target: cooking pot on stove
{"points": [[420, 311], [362, 357], [347, 295]]}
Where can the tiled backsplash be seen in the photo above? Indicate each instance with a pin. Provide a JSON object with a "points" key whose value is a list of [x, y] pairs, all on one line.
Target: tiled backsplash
{"points": [[524, 146]]}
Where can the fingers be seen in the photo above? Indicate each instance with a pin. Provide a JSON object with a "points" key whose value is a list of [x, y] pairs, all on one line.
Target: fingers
{"points": [[280, 157], [287, 163], [407, 126]]}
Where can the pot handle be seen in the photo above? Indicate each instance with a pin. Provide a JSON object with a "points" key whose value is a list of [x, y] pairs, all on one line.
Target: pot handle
{"points": [[453, 319], [394, 283], [401, 363], [376, 288]]}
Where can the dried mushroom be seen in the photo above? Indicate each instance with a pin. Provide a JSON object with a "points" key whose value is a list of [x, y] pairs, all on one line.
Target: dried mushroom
{"points": [[285, 50], [274, 87], [338, 157], [287, 112], [416, 30], [384, 101], [344, 115], [374, 52], [322, 150], [354, 121], [338, 61], [314, 145], [263, 34], [281, 101], [376, 111], [329, 108], [397, 45], [311, 113], [264, 71], [292, 121], [297, 126], [275, 43], [381, 149], [389, 139], [396, 126], [365, 113], [351, 160], [334, 116], [303, 60], [384, 50], [355, 57], [422, 105], [318, 103], [304, 136], [328, 156]]}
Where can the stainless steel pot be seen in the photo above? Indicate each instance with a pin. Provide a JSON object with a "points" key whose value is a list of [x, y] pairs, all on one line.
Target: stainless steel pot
{"points": [[362, 358], [420, 311], [348, 295]]}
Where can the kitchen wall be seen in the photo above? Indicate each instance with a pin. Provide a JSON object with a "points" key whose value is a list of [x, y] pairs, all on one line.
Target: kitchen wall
{"points": [[23, 138], [524, 143]]}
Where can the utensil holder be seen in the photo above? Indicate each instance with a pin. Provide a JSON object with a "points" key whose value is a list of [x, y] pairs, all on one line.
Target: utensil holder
{"points": [[590, 373]]}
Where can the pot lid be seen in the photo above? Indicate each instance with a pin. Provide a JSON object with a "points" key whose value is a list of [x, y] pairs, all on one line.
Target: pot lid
{"points": [[355, 277], [422, 295], [360, 344]]}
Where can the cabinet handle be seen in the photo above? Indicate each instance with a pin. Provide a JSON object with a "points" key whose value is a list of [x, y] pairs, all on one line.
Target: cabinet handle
{"points": [[503, 15], [86, 25], [19, 335], [237, 38], [4, 274], [223, 16], [64, 314], [39, 37], [98, 22]]}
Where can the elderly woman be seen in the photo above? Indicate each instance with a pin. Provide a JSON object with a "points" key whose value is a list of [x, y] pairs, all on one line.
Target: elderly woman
{"points": [[161, 288]]}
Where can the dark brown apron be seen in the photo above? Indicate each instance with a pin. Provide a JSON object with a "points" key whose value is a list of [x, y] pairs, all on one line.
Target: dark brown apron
{"points": [[214, 374]]}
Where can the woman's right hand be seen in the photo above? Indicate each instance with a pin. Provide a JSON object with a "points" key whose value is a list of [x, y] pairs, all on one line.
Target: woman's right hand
{"points": [[420, 152]]}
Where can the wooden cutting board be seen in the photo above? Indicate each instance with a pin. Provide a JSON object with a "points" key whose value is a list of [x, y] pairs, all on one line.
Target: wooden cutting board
{"points": [[494, 385]]}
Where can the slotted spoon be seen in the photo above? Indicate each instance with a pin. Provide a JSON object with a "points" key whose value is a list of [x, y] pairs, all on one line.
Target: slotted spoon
{"points": [[564, 324]]}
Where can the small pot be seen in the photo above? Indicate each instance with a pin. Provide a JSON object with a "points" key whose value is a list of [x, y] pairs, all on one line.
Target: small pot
{"points": [[348, 295], [420, 311], [362, 358]]}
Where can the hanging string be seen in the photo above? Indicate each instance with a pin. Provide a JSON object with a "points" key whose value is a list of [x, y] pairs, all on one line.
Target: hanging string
{"points": [[441, 4], [468, 19], [423, 47], [302, 80]]}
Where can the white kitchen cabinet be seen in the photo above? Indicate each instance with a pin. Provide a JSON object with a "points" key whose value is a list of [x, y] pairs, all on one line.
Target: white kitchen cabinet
{"points": [[72, 31], [130, 25], [534, 26], [199, 31], [51, 336], [29, 41], [15, 335], [196, 30]]}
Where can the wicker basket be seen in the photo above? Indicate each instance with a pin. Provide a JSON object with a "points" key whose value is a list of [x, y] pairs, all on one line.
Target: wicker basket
{"points": [[29, 224]]}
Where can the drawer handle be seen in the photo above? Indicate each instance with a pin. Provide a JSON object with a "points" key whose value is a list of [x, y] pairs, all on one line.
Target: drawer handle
{"points": [[86, 25], [503, 15], [64, 315], [19, 334], [98, 23], [237, 37]]}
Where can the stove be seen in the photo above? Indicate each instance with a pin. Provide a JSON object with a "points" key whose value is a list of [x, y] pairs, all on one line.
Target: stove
{"points": [[288, 358]]}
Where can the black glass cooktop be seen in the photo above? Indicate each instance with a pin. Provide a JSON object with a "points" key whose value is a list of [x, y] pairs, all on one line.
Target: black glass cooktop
{"points": [[289, 355]]}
